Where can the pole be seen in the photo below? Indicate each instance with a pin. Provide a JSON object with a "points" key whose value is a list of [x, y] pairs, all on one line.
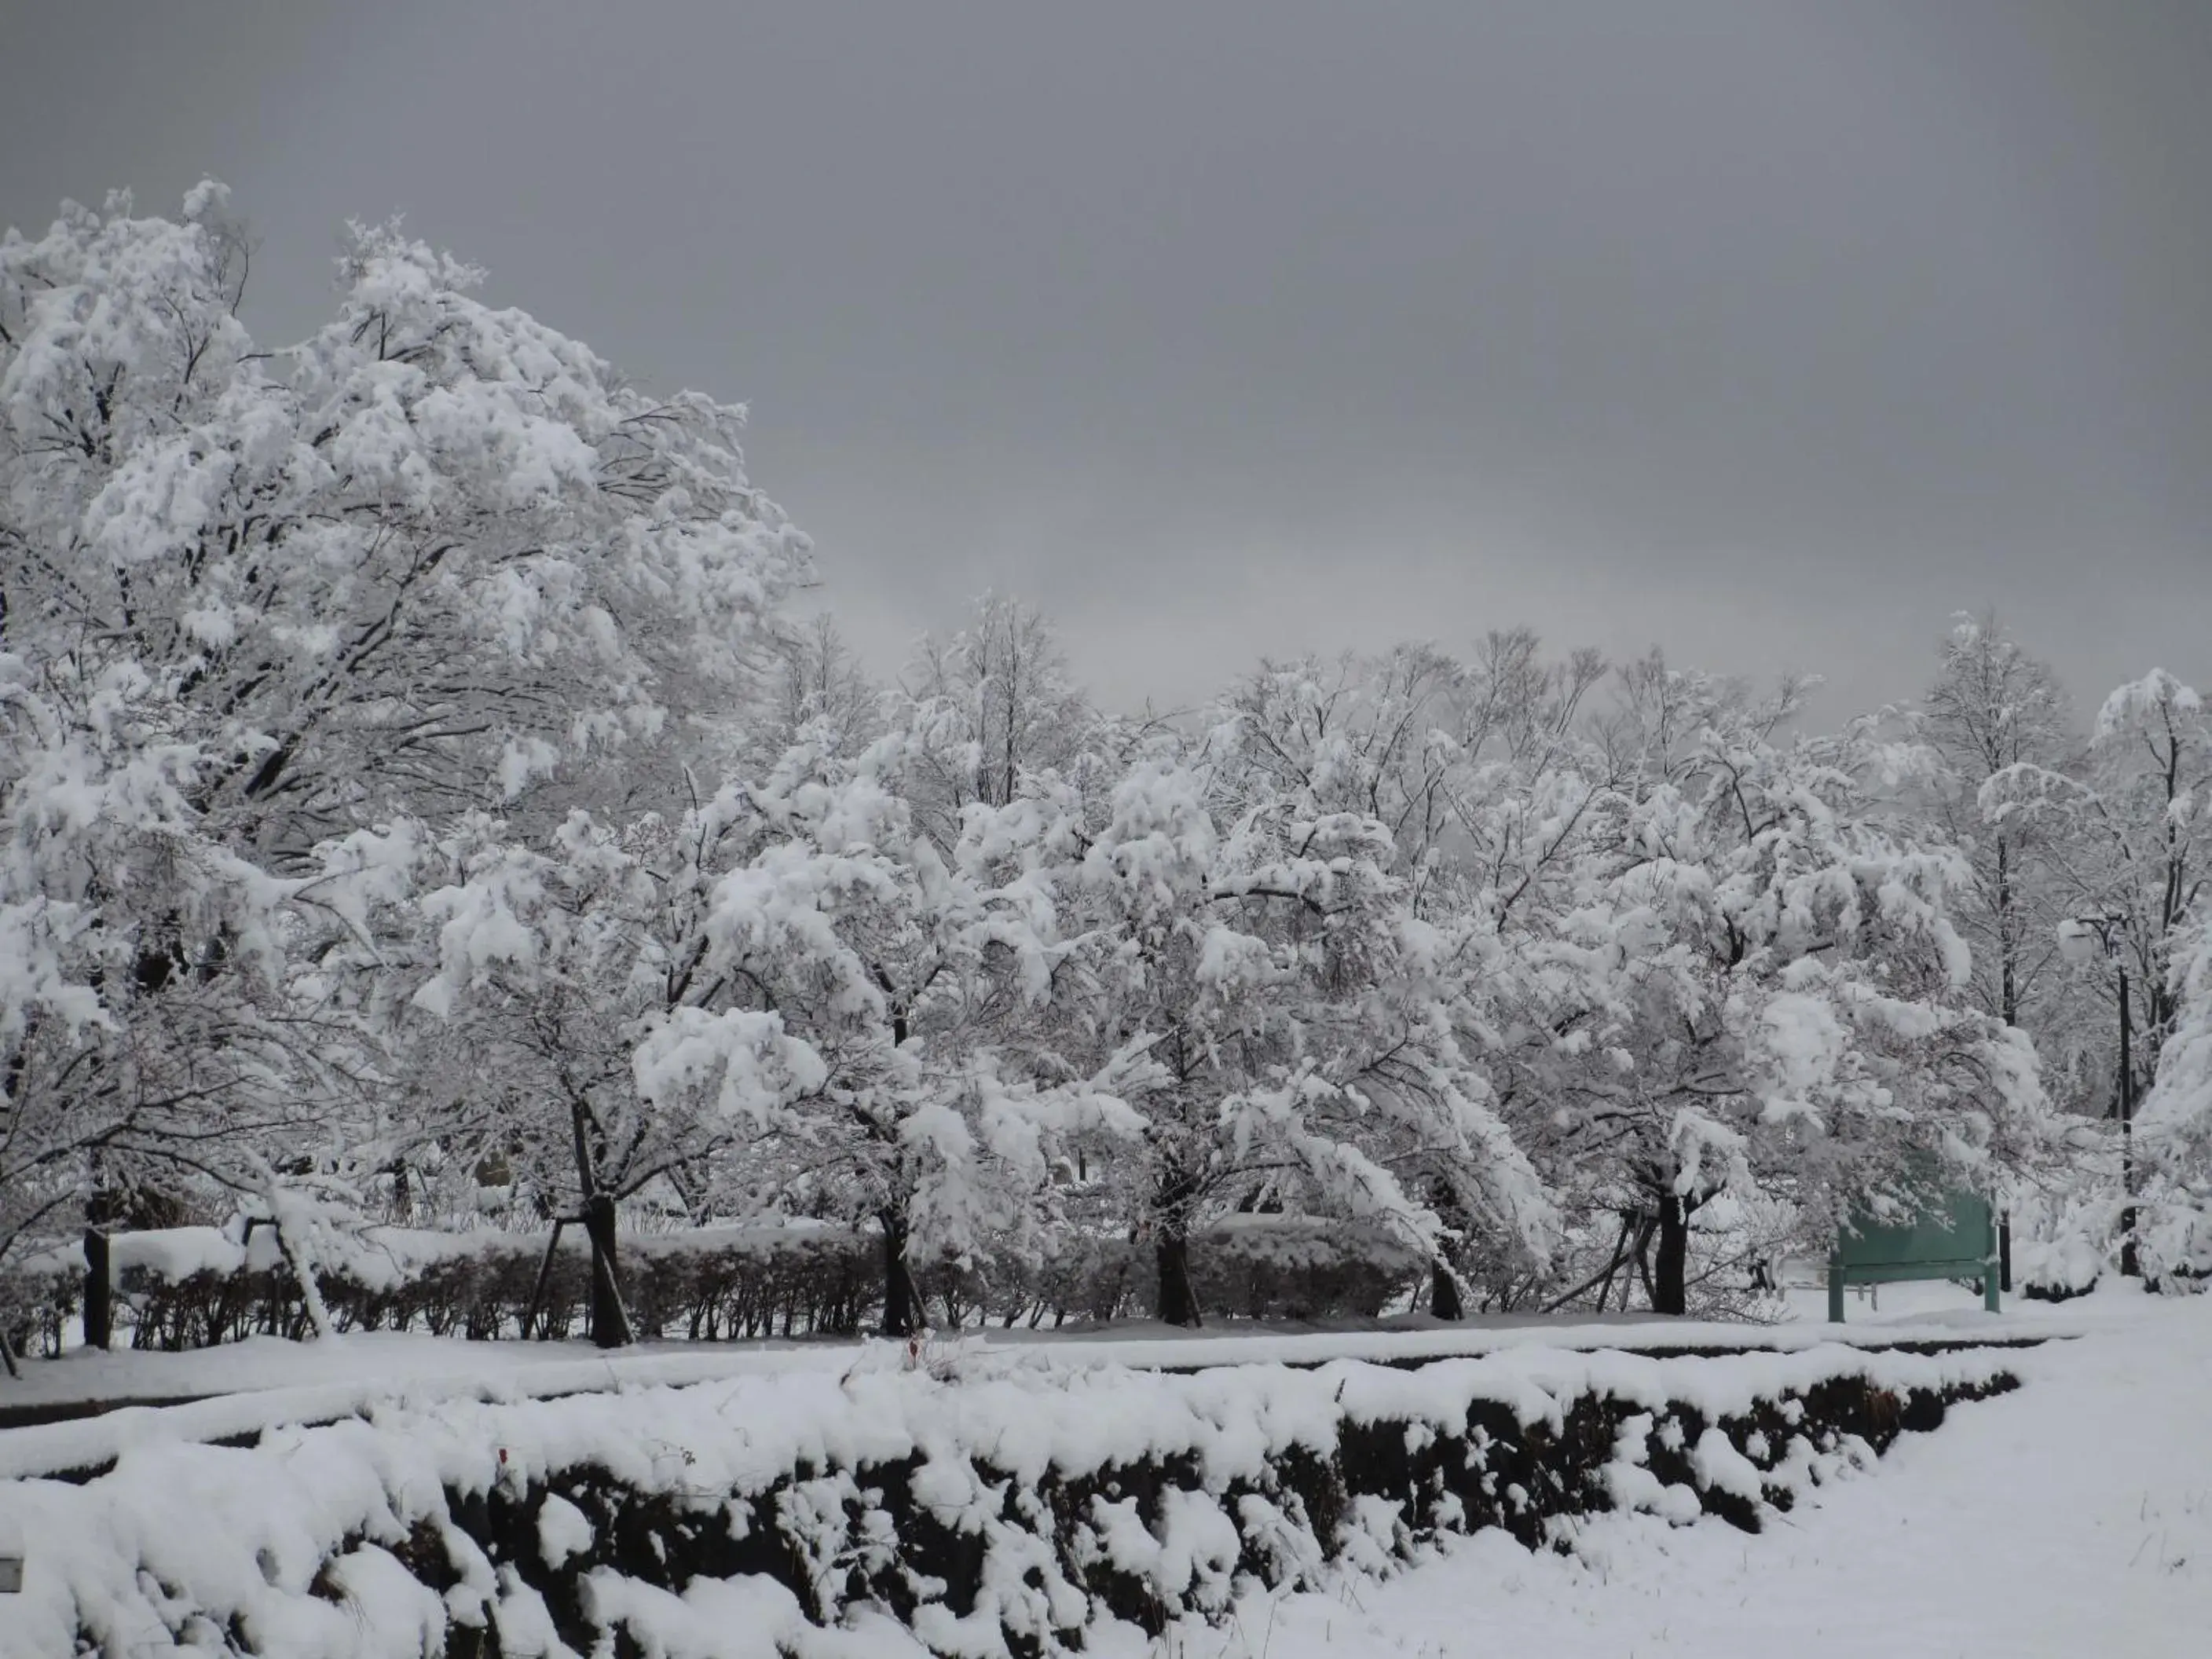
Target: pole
{"points": [[545, 1273], [2131, 1263], [1995, 1275]]}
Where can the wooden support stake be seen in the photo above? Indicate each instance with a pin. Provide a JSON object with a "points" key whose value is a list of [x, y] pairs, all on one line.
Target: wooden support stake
{"points": [[545, 1273]]}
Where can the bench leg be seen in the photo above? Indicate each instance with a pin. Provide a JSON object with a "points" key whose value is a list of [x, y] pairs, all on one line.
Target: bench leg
{"points": [[1989, 1291], [1835, 1294]]}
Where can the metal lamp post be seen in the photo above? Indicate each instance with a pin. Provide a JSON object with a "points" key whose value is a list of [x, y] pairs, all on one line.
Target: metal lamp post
{"points": [[2082, 940]]}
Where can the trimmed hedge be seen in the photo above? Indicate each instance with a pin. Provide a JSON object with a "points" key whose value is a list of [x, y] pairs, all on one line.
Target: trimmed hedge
{"points": [[1009, 1511], [195, 1287]]}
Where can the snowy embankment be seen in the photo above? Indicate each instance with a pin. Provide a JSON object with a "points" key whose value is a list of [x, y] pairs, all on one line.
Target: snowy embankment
{"points": [[2071, 1519], [1021, 1505]]}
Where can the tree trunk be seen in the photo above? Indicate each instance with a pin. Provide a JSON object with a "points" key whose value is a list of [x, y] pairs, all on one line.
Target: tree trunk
{"points": [[1178, 1303], [103, 1209], [899, 1298], [1444, 1291], [1669, 1292], [1444, 1299], [99, 1291], [2131, 1263], [610, 1319], [2007, 946]]}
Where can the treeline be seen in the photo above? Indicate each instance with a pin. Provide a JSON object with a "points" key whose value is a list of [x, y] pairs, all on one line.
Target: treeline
{"points": [[418, 800]]}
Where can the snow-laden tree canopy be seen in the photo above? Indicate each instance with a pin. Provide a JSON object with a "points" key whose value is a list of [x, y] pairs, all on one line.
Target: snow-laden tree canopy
{"points": [[265, 612], [411, 788]]}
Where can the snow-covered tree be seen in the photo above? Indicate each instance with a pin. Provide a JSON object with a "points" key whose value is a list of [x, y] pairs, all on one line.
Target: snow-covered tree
{"points": [[2133, 872], [2177, 1123], [166, 1024], [1479, 770], [1760, 993], [1296, 1014], [1994, 708], [1373, 735], [594, 1047], [925, 980], [787, 999], [994, 700], [816, 680], [259, 605], [426, 555]]}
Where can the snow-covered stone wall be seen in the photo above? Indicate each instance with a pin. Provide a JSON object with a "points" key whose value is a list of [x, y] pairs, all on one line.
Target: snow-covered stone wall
{"points": [[994, 1505]]}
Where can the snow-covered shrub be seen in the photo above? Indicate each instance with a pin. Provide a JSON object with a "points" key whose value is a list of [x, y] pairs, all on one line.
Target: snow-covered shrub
{"points": [[2062, 1243], [1019, 1510]]}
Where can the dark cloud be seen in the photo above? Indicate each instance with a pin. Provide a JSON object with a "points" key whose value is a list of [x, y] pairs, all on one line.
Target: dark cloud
{"points": [[1771, 332]]}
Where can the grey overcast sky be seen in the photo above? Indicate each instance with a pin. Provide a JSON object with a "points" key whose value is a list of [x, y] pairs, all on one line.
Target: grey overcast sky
{"points": [[1770, 332]]}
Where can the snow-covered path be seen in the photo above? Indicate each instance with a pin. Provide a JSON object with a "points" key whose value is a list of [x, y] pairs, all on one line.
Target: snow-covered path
{"points": [[2072, 1518], [244, 1388]]}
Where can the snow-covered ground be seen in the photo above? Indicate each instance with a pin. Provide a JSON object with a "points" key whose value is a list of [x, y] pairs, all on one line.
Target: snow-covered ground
{"points": [[2072, 1519], [414, 1360], [245, 1387]]}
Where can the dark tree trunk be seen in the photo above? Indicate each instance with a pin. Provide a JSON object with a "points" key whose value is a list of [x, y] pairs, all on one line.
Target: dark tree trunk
{"points": [[900, 1309], [1444, 1291], [103, 1208], [1669, 1271], [2008, 945], [2131, 1263], [610, 1319], [1176, 1198], [99, 1291], [1444, 1300], [1178, 1303]]}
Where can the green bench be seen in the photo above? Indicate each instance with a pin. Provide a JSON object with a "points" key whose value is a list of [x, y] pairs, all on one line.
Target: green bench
{"points": [[1957, 1240]]}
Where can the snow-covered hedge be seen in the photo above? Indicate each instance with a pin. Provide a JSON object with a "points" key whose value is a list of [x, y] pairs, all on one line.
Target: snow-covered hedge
{"points": [[1013, 1507], [2062, 1243], [189, 1287]]}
